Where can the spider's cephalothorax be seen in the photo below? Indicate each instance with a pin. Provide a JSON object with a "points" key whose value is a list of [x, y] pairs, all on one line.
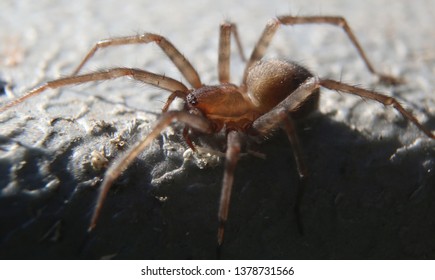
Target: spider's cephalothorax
{"points": [[271, 94], [223, 105]]}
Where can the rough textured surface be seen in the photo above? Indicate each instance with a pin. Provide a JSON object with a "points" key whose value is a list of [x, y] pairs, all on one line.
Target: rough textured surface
{"points": [[371, 186]]}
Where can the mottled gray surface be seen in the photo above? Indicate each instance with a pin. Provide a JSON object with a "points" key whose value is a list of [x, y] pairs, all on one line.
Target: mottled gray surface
{"points": [[371, 186]]}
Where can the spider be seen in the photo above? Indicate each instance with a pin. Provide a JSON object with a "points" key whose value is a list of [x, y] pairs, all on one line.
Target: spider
{"points": [[271, 95]]}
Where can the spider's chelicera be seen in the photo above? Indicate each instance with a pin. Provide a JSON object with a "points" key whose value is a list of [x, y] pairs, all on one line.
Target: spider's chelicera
{"points": [[272, 93]]}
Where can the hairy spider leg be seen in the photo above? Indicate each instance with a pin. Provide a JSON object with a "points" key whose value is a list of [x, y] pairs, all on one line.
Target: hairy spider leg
{"points": [[226, 29], [272, 26], [231, 159], [180, 61], [373, 95], [157, 80]]}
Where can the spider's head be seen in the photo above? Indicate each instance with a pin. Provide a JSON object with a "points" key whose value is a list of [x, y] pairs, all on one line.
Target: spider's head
{"points": [[224, 100], [221, 104]]}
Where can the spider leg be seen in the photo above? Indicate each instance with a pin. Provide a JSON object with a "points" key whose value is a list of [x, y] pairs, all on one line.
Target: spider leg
{"points": [[224, 50], [289, 128], [232, 156], [282, 117], [187, 139], [168, 48], [172, 96], [114, 171], [272, 27], [383, 99], [137, 74]]}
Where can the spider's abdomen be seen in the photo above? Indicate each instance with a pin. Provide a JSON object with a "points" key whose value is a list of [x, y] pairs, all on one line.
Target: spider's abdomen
{"points": [[271, 81]]}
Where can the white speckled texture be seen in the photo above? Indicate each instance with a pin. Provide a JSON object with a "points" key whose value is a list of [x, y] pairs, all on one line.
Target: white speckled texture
{"points": [[371, 186]]}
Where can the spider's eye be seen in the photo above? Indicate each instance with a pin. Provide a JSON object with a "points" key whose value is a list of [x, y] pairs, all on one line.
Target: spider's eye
{"points": [[191, 99]]}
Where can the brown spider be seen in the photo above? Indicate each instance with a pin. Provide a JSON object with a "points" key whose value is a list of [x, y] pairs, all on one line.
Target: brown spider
{"points": [[272, 93]]}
